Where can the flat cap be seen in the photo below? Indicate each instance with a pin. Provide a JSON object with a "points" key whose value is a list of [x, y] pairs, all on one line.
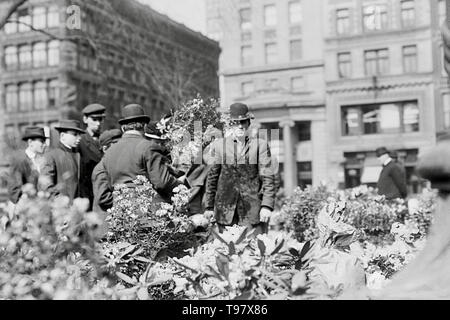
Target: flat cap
{"points": [[109, 136], [435, 166], [94, 109], [380, 151]]}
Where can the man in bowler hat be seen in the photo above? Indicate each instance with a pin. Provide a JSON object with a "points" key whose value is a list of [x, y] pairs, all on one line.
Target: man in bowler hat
{"points": [[240, 185], [392, 180], [61, 171], [134, 155], [89, 147], [25, 165]]}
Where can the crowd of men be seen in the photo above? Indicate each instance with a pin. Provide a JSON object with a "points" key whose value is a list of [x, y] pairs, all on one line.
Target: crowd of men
{"points": [[88, 163]]}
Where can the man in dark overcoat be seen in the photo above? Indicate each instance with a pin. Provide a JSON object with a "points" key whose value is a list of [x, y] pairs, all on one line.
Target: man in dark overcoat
{"points": [[89, 147], [392, 180], [61, 170], [102, 188], [134, 155], [240, 184], [25, 165]]}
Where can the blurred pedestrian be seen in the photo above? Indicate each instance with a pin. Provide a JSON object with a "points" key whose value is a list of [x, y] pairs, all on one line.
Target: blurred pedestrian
{"points": [[392, 180]]}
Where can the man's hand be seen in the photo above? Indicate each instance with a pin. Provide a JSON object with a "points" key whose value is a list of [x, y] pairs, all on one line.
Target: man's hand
{"points": [[209, 215], [265, 214]]}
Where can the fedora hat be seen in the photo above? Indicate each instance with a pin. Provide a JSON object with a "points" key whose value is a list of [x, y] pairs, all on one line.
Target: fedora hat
{"points": [[34, 133], [380, 151], [151, 131], [133, 113], [65, 125], [239, 111]]}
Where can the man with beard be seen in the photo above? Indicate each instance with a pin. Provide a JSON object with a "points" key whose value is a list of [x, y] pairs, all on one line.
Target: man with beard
{"points": [[240, 185], [90, 149], [61, 170]]}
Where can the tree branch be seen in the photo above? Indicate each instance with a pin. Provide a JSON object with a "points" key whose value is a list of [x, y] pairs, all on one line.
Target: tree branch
{"points": [[13, 7]]}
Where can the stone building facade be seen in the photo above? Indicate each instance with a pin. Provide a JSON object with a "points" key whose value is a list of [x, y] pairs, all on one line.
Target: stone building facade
{"points": [[272, 63], [339, 78]]}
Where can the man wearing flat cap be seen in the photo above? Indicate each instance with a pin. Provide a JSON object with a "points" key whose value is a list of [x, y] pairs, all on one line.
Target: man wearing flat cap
{"points": [[61, 171], [90, 149], [240, 186], [392, 180], [134, 155], [25, 165]]}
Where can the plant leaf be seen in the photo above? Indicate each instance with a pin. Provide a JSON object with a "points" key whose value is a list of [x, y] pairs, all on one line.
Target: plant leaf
{"points": [[242, 236], [231, 248], [294, 252], [142, 294], [223, 267], [219, 237], [278, 248], [126, 278], [305, 249], [262, 247], [142, 259]]}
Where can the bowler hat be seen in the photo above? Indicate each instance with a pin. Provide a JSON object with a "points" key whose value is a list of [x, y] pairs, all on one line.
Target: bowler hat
{"points": [[109, 136], [66, 125], [239, 111], [34, 133], [380, 151], [133, 113], [152, 131], [94, 110]]}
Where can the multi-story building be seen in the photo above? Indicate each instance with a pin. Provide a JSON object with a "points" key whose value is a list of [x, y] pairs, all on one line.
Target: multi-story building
{"points": [[382, 75], [273, 62], [113, 52], [340, 77]]}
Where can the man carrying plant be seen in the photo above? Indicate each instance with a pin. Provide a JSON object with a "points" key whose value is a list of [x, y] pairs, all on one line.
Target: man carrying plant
{"points": [[240, 186], [134, 155]]}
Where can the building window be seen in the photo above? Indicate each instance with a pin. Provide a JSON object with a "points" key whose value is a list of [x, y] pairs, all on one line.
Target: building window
{"points": [[53, 53], [408, 13], [11, 27], [410, 59], [342, 21], [53, 93], [24, 19], [246, 55], [446, 109], [39, 18], [297, 84], [375, 17], [40, 95], [376, 62], [295, 12], [304, 170], [11, 58], [25, 97], [12, 100], [53, 17], [39, 55], [245, 19], [270, 15], [344, 65], [247, 88], [271, 53], [296, 50], [25, 58], [387, 118]]}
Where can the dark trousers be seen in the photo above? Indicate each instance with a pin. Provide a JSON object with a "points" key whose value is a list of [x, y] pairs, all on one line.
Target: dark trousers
{"points": [[259, 228]]}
